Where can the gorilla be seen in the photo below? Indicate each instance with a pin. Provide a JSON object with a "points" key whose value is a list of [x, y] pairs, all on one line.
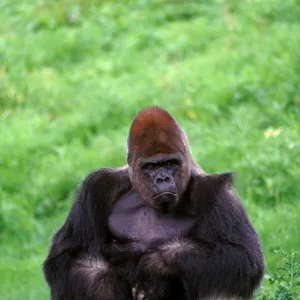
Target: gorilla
{"points": [[159, 228]]}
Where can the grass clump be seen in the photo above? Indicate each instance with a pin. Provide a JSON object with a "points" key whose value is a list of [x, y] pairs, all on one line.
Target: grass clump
{"points": [[74, 73]]}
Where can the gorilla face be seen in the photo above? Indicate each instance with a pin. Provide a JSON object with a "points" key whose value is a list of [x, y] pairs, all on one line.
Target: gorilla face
{"points": [[160, 175], [161, 180]]}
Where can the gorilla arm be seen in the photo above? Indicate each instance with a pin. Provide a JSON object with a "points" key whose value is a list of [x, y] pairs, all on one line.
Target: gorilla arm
{"points": [[220, 258], [75, 267]]}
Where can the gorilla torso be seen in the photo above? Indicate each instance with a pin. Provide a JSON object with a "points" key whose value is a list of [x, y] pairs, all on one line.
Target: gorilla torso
{"points": [[184, 235], [134, 219]]}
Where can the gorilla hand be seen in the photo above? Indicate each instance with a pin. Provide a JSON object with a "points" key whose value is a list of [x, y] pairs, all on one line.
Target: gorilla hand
{"points": [[156, 280]]}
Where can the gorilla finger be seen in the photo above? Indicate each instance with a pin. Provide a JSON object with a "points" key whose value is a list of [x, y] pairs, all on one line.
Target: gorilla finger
{"points": [[134, 293], [141, 296]]}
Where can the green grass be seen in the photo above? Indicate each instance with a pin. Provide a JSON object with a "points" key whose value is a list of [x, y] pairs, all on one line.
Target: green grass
{"points": [[74, 73]]}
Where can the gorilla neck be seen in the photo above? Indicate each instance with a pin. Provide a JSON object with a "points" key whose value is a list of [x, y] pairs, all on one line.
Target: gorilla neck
{"points": [[134, 219]]}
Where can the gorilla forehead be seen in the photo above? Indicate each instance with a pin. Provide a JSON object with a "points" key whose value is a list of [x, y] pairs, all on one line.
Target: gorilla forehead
{"points": [[153, 141], [153, 131]]}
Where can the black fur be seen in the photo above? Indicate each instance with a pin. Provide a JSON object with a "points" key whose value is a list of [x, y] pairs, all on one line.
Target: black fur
{"points": [[220, 257]]}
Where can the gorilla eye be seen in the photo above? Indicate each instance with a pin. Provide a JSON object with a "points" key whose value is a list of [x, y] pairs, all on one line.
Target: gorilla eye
{"points": [[172, 162], [149, 166]]}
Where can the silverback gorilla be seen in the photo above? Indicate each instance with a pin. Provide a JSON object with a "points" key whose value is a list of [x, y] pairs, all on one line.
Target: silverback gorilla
{"points": [[157, 229]]}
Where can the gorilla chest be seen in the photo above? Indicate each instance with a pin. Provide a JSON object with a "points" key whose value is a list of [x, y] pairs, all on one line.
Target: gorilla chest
{"points": [[133, 219]]}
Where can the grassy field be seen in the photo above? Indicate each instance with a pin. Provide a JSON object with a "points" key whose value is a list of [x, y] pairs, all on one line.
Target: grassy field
{"points": [[74, 73]]}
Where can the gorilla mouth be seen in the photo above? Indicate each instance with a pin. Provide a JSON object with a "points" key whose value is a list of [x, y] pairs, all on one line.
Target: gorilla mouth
{"points": [[164, 194], [165, 201]]}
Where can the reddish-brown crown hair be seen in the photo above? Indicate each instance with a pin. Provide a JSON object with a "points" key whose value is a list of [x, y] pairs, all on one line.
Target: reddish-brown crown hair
{"points": [[155, 131]]}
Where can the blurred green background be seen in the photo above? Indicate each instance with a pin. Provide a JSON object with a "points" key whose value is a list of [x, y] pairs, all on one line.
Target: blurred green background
{"points": [[74, 73]]}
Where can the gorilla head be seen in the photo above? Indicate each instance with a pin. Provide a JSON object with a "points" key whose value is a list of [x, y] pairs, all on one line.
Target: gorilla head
{"points": [[158, 158]]}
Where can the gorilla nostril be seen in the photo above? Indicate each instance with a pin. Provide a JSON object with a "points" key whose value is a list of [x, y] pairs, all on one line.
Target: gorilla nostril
{"points": [[159, 180], [167, 179]]}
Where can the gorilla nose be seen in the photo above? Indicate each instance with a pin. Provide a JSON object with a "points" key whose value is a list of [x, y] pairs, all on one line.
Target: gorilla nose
{"points": [[164, 183], [162, 179]]}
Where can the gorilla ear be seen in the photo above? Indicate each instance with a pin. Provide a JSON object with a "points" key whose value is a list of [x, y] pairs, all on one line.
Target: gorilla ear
{"points": [[205, 189], [223, 180], [226, 179]]}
